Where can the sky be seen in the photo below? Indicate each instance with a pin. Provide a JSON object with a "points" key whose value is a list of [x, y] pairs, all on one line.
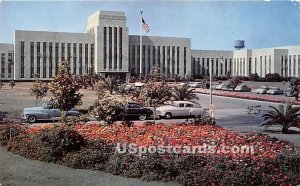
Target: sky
{"points": [[211, 25]]}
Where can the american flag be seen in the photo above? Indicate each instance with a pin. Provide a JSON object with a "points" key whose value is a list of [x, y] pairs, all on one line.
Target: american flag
{"points": [[145, 25]]}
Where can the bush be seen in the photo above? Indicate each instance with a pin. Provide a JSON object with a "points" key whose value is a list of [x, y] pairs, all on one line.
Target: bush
{"points": [[9, 130], [53, 143], [273, 77], [253, 77], [125, 165], [23, 145], [93, 156]]}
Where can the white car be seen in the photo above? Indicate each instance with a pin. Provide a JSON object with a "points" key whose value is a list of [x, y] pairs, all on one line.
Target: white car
{"points": [[195, 85], [274, 91], [180, 108], [261, 90]]}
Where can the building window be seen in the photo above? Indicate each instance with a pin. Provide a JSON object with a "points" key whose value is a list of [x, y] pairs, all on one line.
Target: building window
{"points": [[31, 59], [115, 48], [178, 53], [104, 47], [290, 65], [22, 59], [153, 55], [184, 61], [294, 65], [74, 58], [80, 58], [164, 58], [56, 58], [250, 65], [120, 49], [110, 48], [62, 51], [203, 68], [2, 65], [44, 59], [92, 59], [50, 59], [86, 50], [69, 52]]}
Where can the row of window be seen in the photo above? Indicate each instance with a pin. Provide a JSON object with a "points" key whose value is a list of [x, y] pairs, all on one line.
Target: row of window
{"points": [[201, 66], [112, 47], [56, 53], [162, 56]]}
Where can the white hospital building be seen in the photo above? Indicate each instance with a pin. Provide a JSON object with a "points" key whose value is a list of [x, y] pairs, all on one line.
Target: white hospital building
{"points": [[107, 49]]}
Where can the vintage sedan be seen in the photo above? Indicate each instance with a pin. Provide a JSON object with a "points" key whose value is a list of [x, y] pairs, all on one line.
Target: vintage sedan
{"points": [[274, 91], [242, 88], [135, 110], [179, 109], [261, 90], [196, 85], [46, 112]]}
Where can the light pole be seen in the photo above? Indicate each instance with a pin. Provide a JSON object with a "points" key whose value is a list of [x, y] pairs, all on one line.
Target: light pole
{"points": [[211, 106]]}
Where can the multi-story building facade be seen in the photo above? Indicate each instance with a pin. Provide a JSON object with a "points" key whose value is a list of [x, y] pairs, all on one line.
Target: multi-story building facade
{"points": [[7, 61], [107, 49]]}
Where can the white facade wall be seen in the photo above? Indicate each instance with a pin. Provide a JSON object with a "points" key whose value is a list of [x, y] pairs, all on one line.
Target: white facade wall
{"points": [[111, 42], [221, 62], [267, 60], [35, 58], [170, 54], [242, 63], [6, 61]]}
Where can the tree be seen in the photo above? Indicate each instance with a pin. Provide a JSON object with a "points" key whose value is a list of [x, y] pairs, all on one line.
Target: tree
{"points": [[183, 93], [107, 84], [295, 83], [287, 117], [65, 90], [107, 108], [235, 80], [38, 90]]}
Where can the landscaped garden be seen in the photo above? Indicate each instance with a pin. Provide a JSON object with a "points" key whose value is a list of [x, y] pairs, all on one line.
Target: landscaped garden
{"points": [[272, 162]]}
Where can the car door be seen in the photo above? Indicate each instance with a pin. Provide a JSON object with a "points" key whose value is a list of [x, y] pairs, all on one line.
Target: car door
{"points": [[134, 109], [188, 108], [180, 111]]}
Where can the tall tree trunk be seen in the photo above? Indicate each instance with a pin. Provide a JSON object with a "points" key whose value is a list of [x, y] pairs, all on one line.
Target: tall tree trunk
{"points": [[285, 130]]}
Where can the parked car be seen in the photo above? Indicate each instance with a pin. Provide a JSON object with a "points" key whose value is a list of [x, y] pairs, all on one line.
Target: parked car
{"points": [[261, 90], [274, 91], [183, 84], [130, 87], [229, 87], [136, 110], [196, 85], [180, 108], [288, 92], [220, 86], [46, 112], [242, 88]]}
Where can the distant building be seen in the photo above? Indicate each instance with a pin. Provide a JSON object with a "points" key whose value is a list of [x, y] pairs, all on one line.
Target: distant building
{"points": [[107, 49]]}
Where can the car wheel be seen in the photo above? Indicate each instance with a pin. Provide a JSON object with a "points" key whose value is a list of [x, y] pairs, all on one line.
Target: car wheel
{"points": [[31, 119], [142, 117], [168, 115]]}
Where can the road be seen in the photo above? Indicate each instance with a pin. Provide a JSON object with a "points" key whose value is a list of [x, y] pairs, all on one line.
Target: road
{"points": [[231, 112]]}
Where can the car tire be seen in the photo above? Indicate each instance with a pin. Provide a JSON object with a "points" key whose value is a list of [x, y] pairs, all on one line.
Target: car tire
{"points": [[168, 115], [142, 117], [31, 119]]}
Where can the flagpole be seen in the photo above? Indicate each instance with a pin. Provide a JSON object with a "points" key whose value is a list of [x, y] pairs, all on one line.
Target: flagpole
{"points": [[141, 42]]}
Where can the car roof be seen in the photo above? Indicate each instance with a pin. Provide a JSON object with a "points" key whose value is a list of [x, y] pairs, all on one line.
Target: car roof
{"points": [[183, 102]]}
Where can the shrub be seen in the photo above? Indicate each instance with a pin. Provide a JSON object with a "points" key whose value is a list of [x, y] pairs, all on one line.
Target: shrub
{"points": [[125, 165], [253, 77], [93, 156], [273, 77], [9, 130], [23, 145], [53, 143]]}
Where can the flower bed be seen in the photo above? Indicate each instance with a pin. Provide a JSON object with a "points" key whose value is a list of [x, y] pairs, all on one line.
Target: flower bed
{"points": [[273, 162], [269, 98]]}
